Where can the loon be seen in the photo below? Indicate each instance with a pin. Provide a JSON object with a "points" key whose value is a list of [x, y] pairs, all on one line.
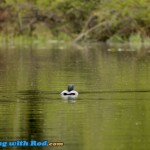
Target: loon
{"points": [[70, 91]]}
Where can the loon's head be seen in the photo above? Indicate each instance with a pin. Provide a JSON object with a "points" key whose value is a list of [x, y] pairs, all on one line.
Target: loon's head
{"points": [[70, 87]]}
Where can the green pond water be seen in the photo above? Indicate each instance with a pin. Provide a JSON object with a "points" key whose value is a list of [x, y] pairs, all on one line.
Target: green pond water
{"points": [[112, 111]]}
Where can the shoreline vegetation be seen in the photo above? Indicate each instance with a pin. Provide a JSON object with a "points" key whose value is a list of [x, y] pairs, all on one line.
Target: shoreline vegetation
{"points": [[110, 21]]}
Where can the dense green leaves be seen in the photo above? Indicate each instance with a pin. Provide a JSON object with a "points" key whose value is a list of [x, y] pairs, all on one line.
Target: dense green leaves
{"points": [[69, 17]]}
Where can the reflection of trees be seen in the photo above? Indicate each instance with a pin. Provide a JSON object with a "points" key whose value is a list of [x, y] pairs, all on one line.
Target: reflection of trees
{"points": [[34, 118], [70, 65]]}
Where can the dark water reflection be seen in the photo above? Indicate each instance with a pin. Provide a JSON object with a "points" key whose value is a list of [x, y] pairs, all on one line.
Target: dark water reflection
{"points": [[112, 111]]}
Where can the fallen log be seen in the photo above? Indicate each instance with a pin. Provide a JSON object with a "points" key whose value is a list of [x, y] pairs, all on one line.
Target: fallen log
{"points": [[100, 32], [106, 29]]}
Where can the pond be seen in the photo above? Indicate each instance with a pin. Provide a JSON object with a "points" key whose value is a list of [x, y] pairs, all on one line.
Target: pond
{"points": [[112, 111]]}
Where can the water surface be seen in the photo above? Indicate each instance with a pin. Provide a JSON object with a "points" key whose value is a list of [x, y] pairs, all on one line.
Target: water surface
{"points": [[112, 111]]}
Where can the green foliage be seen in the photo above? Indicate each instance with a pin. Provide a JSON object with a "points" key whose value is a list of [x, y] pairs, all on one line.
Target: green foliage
{"points": [[128, 16], [115, 39], [65, 5], [65, 18], [44, 3]]}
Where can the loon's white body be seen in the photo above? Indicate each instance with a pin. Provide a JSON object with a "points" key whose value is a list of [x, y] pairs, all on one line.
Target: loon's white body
{"points": [[70, 93], [73, 92]]}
